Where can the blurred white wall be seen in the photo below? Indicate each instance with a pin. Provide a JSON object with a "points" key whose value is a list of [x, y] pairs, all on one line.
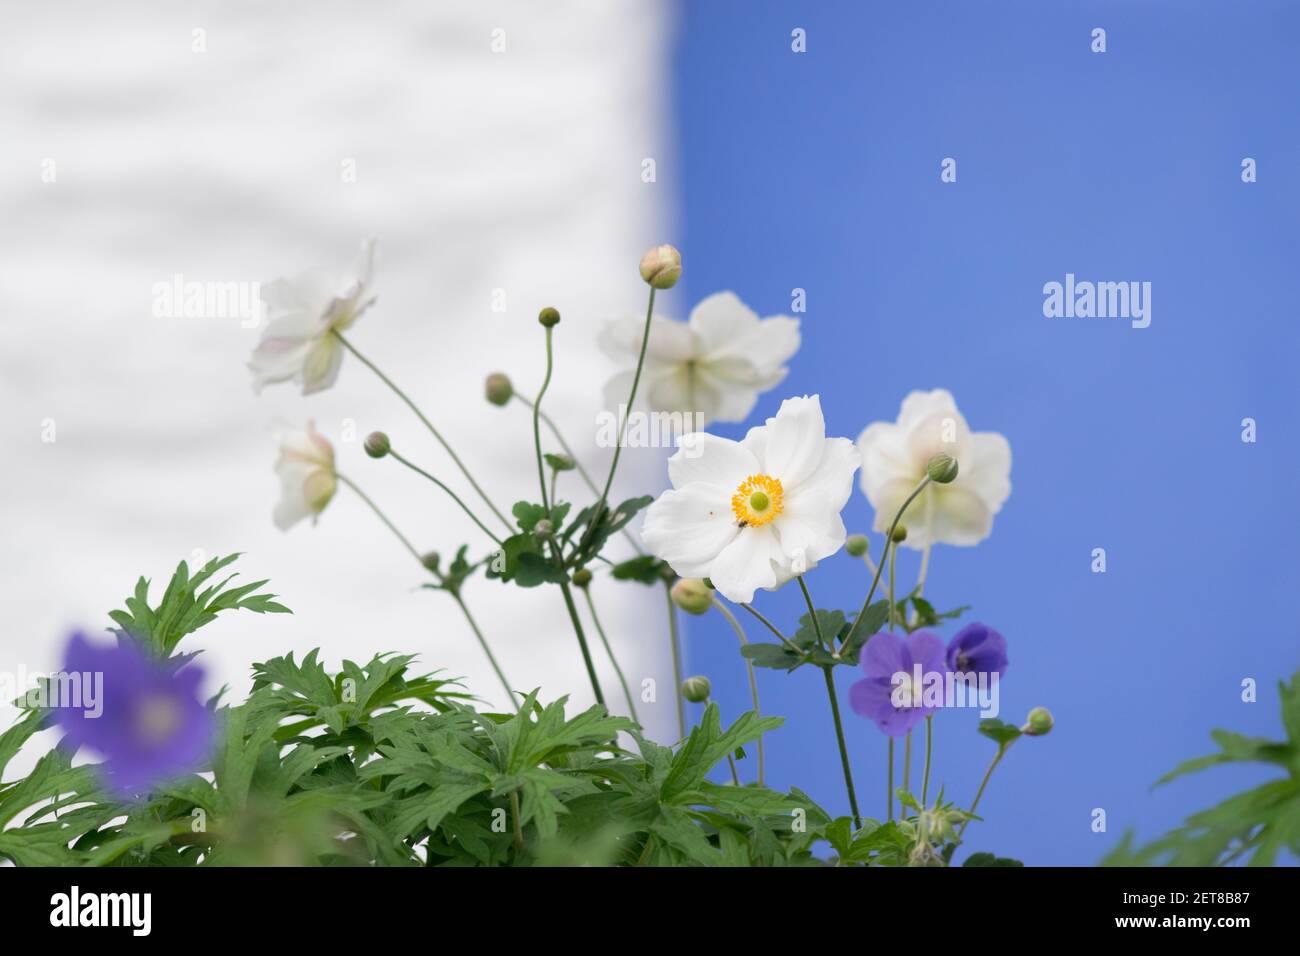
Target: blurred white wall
{"points": [[477, 170]]}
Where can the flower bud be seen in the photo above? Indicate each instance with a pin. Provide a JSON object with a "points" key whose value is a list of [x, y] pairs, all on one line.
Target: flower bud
{"points": [[692, 596], [498, 389], [377, 445], [661, 267], [561, 462], [857, 545], [696, 689], [544, 527], [900, 534], [581, 578], [942, 468], [1038, 723], [549, 317], [430, 560]]}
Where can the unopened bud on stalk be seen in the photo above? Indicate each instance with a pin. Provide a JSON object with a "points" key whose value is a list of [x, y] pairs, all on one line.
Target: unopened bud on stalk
{"points": [[942, 468], [1039, 722], [549, 317], [661, 267], [696, 689], [692, 596], [900, 534], [430, 560], [857, 545], [498, 389], [581, 578], [377, 445]]}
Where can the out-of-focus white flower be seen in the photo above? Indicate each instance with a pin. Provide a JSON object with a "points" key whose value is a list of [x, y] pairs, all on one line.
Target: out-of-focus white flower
{"points": [[754, 513], [714, 365], [894, 458], [301, 314], [307, 477]]}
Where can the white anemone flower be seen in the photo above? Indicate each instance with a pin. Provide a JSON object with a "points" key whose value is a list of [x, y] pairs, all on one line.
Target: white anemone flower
{"points": [[307, 477], [754, 513], [714, 366], [894, 457], [302, 313]]}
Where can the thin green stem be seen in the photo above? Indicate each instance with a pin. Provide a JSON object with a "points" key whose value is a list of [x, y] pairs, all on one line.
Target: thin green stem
{"points": [[464, 609], [518, 824], [844, 750], [889, 795], [454, 497], [753, 680], [582, 643], [889, 537], [907, 762], [622, 428], [929, 746], [997, 758], [893, 554], [812, 611], [427, 424], [537, 426], [735, 776], [382, 517], [591, 609], [673, 641], [773, 628], [564, 445]]}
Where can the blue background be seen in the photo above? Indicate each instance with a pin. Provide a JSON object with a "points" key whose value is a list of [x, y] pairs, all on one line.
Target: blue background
{"points": [[821, 171]]}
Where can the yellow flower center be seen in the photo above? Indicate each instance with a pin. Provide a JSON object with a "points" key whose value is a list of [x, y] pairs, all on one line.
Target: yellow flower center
{"points": [[758, 500]]}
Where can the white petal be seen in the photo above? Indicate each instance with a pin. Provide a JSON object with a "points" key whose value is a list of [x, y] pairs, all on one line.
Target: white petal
{"points": [[678, 390], [720, 462], [960, 516], [792, 441], [670, 342], [748, 563], [918, 405], [292, 506], [362, 269], [278, 360], [721, 319], [832, 482], [988, 473], [689, 528], [321, 366], [885, 459]]}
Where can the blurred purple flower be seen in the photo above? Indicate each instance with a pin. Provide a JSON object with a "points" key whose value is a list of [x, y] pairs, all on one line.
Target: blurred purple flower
{"points": [[143, 715], [885, 656], [978, 649]]}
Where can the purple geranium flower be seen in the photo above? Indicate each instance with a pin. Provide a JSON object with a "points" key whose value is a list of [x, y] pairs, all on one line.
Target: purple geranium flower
{"points": [[890, 662], [978, 649], [143, 715]]}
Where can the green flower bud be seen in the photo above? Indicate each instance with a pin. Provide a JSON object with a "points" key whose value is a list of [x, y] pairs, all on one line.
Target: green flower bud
{"points": [[900, 534], [549, 317], [696, 689], [857, 545], [430, 560], [942, 468], [498, 389], [581, 578], [661, 267], [377, 445], [1038, 723], [692, 596]]}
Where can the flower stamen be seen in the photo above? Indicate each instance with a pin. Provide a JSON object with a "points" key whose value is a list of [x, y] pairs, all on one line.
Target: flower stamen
{"points": [[758, 500]]}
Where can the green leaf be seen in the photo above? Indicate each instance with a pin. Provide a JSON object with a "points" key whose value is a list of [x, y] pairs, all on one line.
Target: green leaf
{"points": [[560, 462], [998, 731], [646, 569], [989, 859], [871, 623]]}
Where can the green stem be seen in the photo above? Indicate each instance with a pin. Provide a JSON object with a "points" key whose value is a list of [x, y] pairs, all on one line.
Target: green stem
{"points": [[510, 694], [889, 537], [929, 745], [812, 611], [907, 762], [773, 628], [427, 424], [622, 428], [564, 445], [591, 609], [454, 497], [382, 517], [582, 642], [844, 750], [753, 681], [673, 640], [997, 758], [735, 776], [537, 426], [890, 795], [519, 829]]}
